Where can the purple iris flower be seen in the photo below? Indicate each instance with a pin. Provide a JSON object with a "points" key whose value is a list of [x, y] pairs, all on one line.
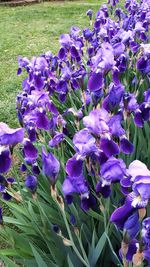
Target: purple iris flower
{"points": [[146, 231], [141, 188], [132, 225], [95, 82], [116, 75], [74, 32], [84, 142], [96, 121], [112, 171], [146, 49], [32, 133], [131, 250], [143, 65], [52, 108], [147, 95], [89, 13], [31, 183], [129, 102], [30, 151], [126, 146], [23, 63], [5, 159], [74, 166], [104, 59], [120, 215], [10, 137], [74, 52], [104, 189], [115, 94], [50, 166], [78, 185], [73, 185], [135, 169], [56, 140], [146, 254], [4, 185], [109, 147], [42, 121], [88, 34], [115, 126], [65, 40], [146, 238], [119, 49], [35, 169], [138, 119], [62, 53], [40, 64]]}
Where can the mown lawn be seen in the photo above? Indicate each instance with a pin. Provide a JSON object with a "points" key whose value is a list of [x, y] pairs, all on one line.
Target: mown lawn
{"points": [[33, 30]]}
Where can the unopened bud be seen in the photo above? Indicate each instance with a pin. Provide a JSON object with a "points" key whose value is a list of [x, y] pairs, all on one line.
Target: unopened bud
{"points": [[67, 242], [53, 192], [17, 196], [76, 231], [142, 213], [34, 196], [60, 201]]}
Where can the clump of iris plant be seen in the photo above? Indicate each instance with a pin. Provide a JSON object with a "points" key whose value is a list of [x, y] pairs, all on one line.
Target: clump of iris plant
{"points": [[81, 111]]}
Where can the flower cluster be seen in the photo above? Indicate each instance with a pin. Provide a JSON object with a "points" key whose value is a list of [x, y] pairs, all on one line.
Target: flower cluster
{"points": [[77, 108]]}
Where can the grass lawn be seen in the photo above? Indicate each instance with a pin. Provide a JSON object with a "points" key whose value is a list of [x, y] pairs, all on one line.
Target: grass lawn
{"points": [[28, 31]]}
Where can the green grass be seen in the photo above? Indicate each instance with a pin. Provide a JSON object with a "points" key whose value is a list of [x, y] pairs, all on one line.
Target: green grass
{"points": [[28, 31]]}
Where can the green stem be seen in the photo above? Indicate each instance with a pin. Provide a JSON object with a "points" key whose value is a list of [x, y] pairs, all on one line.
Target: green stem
{"points": [[82, 249], [71, 239]]}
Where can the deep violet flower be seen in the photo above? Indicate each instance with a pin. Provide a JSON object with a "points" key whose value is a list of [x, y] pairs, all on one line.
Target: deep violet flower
{"points": [[74, 166], [50, 166], [30, 151], [126, 146], [95, 82], [5, 183], [78, 185], [73, 185], [112, 171], [31, 183], [84, 142], [56, 140], [89, 13], [109, 147], [5, 159], [146, 231], [115, 95], [132, 248], [115, 126], [10, 137], [42, 121], [121, 214], [132, 225]]}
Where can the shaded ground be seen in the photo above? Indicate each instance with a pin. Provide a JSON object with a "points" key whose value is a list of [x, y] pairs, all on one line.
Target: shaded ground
{"points": [[28, 31]]}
